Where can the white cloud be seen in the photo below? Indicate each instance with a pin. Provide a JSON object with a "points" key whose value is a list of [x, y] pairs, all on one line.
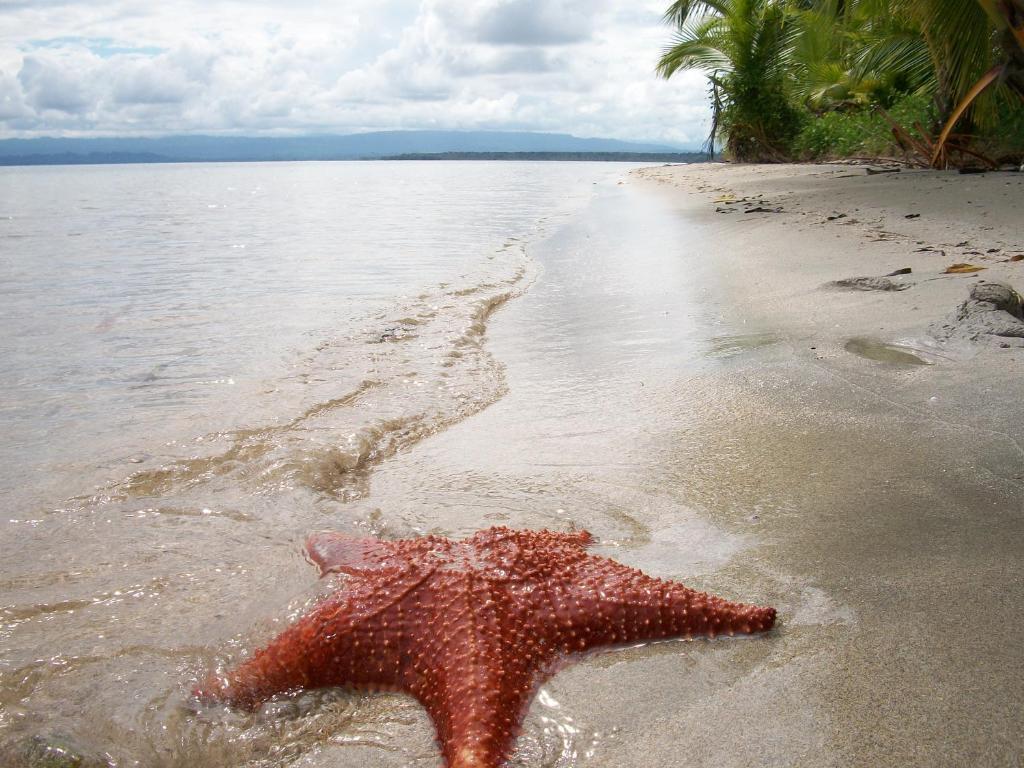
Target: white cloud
{"points": [[12, 99], [52, 82], [520, 22], [156, 81], [102, 67]]}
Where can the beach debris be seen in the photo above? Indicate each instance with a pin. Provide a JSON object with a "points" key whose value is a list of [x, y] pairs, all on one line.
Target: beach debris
{"points": [[762, 209], [884, 283], [962, 268], [912, 216], [1016, 257], [471, 627], [725, 199], [991, 310], [875, 171], [900, 271], [836, 216], [393, 333]]}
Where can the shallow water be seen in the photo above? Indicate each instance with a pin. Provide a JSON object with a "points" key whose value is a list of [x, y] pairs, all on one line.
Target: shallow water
{"points": [[618, 318], [886, 352], [144, 305], [201, 364]]}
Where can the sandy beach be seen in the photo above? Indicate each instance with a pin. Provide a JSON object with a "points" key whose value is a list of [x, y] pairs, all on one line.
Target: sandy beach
{"points": [[401, 385], [888, 492], [675, 370], [687, 385], [873, 493]]}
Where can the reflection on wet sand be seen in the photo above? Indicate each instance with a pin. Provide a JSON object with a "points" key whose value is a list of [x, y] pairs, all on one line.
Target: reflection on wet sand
{"points": [[885, 352]]}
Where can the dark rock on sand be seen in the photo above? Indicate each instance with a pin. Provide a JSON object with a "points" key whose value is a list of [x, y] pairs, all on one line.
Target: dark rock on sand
{"points": [[991, 310], [885, 283], [394, 333]]}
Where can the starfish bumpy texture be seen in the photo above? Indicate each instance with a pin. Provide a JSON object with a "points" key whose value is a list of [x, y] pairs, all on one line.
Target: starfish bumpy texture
{"points": [[470, 628]]}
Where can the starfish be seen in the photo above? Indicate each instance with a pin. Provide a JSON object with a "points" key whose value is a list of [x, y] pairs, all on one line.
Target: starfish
{"points": [[470, 628]]}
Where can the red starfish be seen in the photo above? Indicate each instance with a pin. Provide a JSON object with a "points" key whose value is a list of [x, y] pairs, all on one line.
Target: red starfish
{"points": [[470, 628]]}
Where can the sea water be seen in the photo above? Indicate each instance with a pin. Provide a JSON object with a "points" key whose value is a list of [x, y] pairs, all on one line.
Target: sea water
{"points": [[199, 364], [143, 307]]}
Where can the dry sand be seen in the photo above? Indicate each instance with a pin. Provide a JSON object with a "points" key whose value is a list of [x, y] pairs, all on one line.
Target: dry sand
{"points": [[890, 489]]}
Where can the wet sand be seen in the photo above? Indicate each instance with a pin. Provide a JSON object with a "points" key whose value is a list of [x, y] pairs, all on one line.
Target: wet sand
{"points": [[682, 384], [889, 495]]}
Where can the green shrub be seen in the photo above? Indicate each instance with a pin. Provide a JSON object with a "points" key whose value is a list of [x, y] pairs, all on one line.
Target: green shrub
{"points": [[860, 132], [864, 132], [759, 120], [1005, 140]]}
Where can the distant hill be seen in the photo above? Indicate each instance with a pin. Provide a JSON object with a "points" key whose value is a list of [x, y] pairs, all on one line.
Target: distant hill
{"points": [[624, 157], [183, 149]]}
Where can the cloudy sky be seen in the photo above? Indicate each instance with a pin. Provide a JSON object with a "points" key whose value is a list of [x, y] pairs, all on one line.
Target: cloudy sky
{"points": [[147, 67]]}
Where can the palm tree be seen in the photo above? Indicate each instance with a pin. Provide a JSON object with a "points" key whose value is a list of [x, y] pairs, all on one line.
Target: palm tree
{"points": [[856, 53], [971, 45], [744, 47], [1006, 20], [768, 59]]}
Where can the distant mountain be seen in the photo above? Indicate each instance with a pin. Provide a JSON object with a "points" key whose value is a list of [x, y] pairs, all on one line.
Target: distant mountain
{"points": [[181, 149], [626, 157]]}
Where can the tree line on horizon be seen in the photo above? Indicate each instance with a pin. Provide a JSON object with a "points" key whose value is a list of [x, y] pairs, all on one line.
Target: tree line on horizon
{"points": [[940, 82]]}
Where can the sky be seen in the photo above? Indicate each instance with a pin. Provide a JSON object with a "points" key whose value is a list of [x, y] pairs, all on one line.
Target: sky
{"points": [[287, 67]]}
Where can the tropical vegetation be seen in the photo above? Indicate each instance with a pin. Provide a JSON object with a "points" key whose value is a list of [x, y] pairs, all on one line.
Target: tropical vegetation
{"points": [[938, 82]]}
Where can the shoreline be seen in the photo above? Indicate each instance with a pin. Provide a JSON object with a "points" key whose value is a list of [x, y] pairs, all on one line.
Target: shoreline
{"points": [[680, 382], [680, 385]]}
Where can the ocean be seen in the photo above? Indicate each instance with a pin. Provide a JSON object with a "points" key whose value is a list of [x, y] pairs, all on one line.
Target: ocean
{"points": [[147, 307]]}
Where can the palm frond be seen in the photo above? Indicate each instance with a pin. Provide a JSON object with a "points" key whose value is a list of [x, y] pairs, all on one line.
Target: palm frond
{"points": [[693, 54], [904, 53], [958, 34], [682, 11]]}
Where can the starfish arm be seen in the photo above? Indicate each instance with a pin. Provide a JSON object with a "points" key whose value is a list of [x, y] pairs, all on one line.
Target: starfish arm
{"points": [[478, 674], [335, 644], [607, 603], [478, 712], [494, 537], [335, 552]]}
